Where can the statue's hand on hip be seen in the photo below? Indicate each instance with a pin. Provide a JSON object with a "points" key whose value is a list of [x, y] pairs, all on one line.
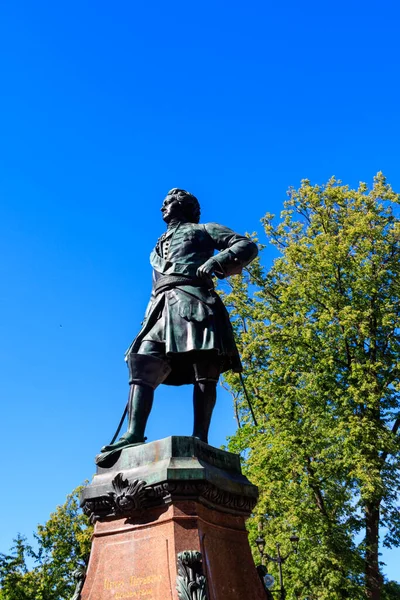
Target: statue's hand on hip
{"points": [[209, 268]]}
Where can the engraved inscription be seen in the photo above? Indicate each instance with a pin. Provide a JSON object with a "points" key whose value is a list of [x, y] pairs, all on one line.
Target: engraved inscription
{"points": [[137, 569], [133, 587]]}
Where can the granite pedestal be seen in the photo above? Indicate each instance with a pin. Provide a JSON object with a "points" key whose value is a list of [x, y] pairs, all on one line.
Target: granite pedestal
{"points": [[170, 525]]}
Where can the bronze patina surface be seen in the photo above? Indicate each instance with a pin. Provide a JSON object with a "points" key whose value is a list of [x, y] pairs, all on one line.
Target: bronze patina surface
{"points": [[186, 335]]}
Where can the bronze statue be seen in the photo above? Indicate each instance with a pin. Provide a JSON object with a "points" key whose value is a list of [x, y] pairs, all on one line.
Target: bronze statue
{"points": [[186, 335]]}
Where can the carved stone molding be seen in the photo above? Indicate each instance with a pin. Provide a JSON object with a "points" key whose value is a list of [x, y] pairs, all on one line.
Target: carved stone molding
{"points": [[232, 502], [190, 581], [211, 496], [127, 497]]}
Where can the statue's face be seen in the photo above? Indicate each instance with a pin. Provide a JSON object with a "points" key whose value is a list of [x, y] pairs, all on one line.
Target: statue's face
{"points": [[171, 209]]}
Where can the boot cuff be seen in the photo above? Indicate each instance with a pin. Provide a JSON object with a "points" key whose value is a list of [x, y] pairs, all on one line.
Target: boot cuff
{"points": [[147, 370]]}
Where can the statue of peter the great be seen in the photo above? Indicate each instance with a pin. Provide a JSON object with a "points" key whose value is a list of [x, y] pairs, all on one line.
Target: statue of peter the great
{"points": [[186, 336]]}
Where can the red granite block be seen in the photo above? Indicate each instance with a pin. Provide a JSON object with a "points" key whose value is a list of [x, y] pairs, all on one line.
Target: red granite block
{"points": [[136, 557]]}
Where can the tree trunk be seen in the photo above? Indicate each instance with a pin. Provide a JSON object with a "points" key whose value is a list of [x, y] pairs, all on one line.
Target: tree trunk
{"points": [[373, 578]]}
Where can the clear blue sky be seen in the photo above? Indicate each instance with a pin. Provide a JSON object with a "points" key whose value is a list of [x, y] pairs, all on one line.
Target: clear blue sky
{"points": [[104, 107]]}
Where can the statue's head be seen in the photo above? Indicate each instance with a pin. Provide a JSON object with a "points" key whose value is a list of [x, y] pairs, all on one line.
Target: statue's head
{"points": [[180, 205]]}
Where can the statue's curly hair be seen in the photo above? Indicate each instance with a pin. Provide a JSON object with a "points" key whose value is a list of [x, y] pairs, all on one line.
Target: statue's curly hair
{"points": [[190, 204]]}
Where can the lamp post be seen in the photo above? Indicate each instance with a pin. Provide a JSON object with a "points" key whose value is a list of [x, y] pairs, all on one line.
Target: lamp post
{"points": [[279, 559]]}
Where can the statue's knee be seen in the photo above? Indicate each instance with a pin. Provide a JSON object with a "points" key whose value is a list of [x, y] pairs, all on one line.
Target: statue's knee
{"points": [[147, 370], [206, 372]]}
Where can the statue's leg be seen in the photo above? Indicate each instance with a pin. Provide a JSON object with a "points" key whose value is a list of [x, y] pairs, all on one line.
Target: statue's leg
{"points": [[204, 397], [147, 369], [139, 408]]}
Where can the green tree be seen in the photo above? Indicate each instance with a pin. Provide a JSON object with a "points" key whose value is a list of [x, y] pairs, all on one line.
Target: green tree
{"points": [[62, 544], [391, 590], [318, 333], [17, 582]]}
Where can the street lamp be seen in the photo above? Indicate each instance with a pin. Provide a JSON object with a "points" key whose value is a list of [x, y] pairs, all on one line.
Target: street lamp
{"points": [[295, 543], [279, 559], [260, 541]]}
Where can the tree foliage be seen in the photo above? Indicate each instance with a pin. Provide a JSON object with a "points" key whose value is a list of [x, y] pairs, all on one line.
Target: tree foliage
{"points": [[391, 590], [44, 571], [319, 338]]}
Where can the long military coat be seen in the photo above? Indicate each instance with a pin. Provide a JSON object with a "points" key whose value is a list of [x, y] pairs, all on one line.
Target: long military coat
{"points": [[191, 320]]}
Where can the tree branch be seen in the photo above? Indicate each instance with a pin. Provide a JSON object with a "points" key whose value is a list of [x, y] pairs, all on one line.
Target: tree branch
{"points": [[319, 499], [395, 429]]}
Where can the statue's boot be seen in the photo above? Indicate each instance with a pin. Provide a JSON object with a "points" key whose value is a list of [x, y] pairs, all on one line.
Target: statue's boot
{"points": [[139, 406], [145, 374], [204, 398]]}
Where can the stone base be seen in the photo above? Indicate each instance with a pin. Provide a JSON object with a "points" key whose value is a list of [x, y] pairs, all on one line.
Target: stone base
{"points": [[147, 513]]}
